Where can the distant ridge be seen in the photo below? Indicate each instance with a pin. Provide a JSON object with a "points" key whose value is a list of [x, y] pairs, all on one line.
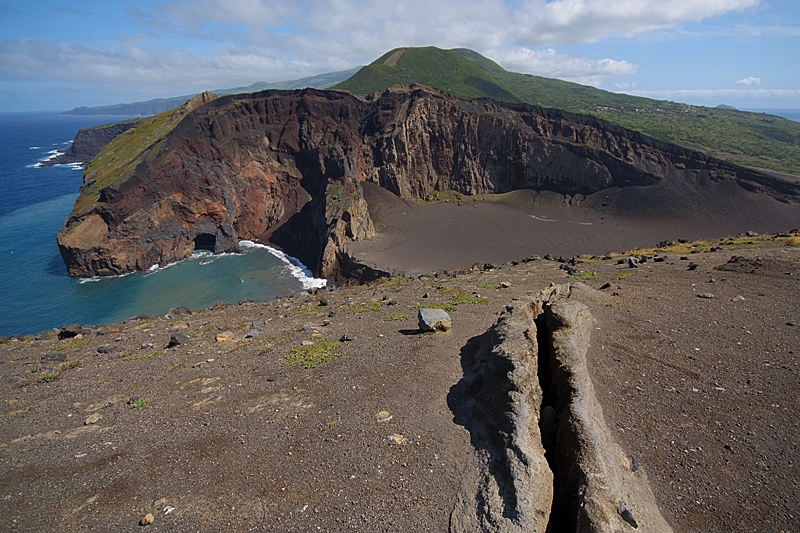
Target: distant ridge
{"points": [[750, 139], [160, 105]]}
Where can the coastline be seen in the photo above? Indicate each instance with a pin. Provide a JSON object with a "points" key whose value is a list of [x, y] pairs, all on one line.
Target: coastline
{"points": [[669, 353]]}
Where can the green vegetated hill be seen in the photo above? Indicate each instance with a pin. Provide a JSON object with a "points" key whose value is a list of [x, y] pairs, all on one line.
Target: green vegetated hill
{"points": [[750, 139]]}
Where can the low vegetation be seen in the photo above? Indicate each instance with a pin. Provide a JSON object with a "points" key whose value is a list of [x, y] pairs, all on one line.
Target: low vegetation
{"points": [[314, 354], [741, 137]]}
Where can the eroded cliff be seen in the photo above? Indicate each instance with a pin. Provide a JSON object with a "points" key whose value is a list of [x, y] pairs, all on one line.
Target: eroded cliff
{"points": [[286, 167]]}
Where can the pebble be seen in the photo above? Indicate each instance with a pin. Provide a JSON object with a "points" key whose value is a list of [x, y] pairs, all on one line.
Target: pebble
{"points": [[346, 338], [147, 520], [505, 284], [252, 334], [738, 298], [92, 419], [398, 438], [381, 417], [308, 343], [224, 336], [706, 295]]}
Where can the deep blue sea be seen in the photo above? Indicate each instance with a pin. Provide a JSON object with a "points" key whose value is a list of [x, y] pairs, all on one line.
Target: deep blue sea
{"points": [[35, 292]]}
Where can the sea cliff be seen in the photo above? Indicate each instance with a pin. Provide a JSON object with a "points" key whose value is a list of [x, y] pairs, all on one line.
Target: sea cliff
{"points": [[287, 167]]}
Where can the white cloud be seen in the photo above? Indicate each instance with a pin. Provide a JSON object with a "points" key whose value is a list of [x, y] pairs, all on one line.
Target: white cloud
{"points": [[749, 80], [179, 47], [789, 98], [551, 63]]}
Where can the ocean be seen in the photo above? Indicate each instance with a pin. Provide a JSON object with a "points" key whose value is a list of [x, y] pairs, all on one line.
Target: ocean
{"points": [[36, 293]]}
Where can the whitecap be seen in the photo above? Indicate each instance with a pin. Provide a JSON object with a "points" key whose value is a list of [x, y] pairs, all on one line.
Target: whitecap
{"points": [[34, 147], [296, 268], [52, 154]]}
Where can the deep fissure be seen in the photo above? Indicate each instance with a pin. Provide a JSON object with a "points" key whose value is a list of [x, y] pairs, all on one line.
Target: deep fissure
{"points": [[563, 511]]}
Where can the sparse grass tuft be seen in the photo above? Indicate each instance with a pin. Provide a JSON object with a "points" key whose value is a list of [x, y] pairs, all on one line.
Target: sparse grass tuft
{"points": [[47, 377], [76, 343], [309, 309], [464, 298], [436, 305], [313, 355], [395, 283], [364, 307], [141, 402], [588, 274]]}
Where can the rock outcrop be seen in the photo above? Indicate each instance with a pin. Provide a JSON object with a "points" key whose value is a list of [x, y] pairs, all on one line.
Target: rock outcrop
{"points": [[545, 459], [287, 167], [89, 141]]}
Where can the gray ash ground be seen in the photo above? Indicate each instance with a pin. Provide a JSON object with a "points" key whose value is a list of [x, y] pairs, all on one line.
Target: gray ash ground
{"points": [[228, 436]]}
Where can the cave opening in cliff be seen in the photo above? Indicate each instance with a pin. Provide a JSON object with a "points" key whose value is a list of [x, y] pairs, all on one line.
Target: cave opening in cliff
{"points": [[205, 241]]}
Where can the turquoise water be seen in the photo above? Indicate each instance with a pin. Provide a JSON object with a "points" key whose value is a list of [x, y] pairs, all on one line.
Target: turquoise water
{"points": [[35, 291]]}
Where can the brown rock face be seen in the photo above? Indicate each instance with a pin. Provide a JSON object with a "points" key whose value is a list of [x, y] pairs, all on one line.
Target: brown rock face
{"points": [[287, 167]]}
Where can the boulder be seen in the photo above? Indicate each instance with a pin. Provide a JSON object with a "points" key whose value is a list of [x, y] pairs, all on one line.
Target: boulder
{"points": [[434, 320]]}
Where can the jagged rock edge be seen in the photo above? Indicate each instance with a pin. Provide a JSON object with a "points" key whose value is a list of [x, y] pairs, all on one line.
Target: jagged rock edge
{"points": [[603, 493]]}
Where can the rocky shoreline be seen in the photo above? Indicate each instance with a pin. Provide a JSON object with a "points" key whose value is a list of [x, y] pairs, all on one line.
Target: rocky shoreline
{"points": [[332, 411]]}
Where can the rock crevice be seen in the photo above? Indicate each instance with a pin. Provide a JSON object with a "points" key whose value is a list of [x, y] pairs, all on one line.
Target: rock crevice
{"points": [[545, 460]]}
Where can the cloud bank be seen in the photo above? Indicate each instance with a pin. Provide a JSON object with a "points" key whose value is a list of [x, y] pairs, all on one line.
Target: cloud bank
{"points": [[180, 47]]}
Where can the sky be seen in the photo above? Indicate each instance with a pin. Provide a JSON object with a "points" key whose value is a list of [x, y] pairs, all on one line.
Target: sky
{"points": [[56, 55]]}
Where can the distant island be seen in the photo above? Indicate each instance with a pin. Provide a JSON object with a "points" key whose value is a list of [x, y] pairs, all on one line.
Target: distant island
{"points": [[160, 105]]}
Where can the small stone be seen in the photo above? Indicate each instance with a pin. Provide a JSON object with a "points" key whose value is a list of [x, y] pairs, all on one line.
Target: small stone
{"points": [[252, 334], [426, 295], [706, 295], [398, 438], [738, 298], [326, 322], [224, 336], [660, 258], [505, 284], [633, 262], [381, 417], [132, 400], [308, 343], [147, 520], [177, 339], [323, 302], [70, 331], [605, 286], [179, 310], [626, 514], [692, 266], [433, 320], [92, 419], [346, 338]]}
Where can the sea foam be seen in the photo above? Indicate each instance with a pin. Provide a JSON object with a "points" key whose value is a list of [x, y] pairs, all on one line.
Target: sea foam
{"points": [[296, 268]]}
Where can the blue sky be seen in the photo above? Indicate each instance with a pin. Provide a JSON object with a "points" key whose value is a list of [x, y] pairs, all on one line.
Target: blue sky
{"points": [[57, 55]]}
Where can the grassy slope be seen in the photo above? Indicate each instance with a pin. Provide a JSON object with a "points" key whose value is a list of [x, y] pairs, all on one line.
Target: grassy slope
{"points": [[752, 139]]}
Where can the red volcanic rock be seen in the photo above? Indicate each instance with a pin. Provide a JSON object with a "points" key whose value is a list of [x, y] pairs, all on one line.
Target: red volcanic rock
{"points": [[287, 167]]}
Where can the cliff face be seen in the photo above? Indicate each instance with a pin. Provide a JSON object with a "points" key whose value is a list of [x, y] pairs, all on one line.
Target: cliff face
{"points": [[89, 141], [287, 167]]}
